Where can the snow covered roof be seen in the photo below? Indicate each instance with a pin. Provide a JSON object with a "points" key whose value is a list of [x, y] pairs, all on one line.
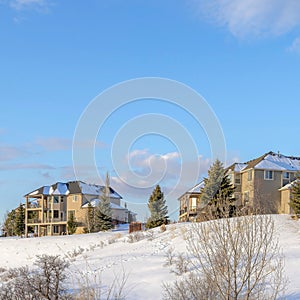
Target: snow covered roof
{"points": [[279, 162], [196, 188], [95, 202], [73, 187], [287, 186]]}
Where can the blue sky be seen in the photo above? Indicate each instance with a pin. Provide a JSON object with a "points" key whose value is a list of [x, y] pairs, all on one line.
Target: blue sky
{"points": [[243, 57]]}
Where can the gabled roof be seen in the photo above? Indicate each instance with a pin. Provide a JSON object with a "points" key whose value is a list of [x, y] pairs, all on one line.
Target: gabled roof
{"points": [[73, 187], [274, 161], [95, 202], [236, 167]]}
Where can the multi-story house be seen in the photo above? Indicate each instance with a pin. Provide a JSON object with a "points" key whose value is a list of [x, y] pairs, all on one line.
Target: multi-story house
{"points": [[48, 208], [262, 183]]}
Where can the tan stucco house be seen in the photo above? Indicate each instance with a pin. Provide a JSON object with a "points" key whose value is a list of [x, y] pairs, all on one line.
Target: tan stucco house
{"points": [[262, 183], [48, 208]]}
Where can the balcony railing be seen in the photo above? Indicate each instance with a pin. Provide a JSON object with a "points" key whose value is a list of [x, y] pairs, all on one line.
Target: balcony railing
{"points": [[37, 221]]}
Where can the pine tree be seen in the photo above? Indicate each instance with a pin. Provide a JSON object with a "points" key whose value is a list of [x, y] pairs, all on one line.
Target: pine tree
{"points": [[20, 220], [72, 224], [295, 199], [158, 209], [217, 193], [103, 213]]}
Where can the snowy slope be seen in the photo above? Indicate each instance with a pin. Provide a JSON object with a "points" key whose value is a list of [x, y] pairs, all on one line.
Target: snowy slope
{"points": [[143, 261]]}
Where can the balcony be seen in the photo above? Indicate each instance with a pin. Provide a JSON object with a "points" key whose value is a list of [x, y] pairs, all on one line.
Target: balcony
{"points": [[49, 220]]}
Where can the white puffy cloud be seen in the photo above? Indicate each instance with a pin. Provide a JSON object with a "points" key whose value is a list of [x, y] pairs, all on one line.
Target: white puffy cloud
{"points": [[252, 17], [29, 4]]}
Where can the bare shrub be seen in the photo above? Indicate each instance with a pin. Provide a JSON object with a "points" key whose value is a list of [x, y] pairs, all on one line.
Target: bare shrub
{"points": [[44, 282], [135, 237], [232, 259], [92, 288], [163, 228], [181, 264], [170, 257]]}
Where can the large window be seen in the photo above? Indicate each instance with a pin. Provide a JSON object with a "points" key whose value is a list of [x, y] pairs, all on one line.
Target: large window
{"points": [[55, 214], [55, 199], [237, 179], [269, 175]]}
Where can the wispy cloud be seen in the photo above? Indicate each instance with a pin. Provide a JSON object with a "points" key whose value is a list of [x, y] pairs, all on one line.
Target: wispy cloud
{"points": [[40, 5], [31, 166], [8, 152], [295, 47], [54, 143], [254, 18]]}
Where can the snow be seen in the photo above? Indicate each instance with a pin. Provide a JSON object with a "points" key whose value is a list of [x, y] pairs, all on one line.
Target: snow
{"points": [[197, 188], [238, 167], [279, 163], [61, 189], [109, 253], [34, 193], [94, 189]]}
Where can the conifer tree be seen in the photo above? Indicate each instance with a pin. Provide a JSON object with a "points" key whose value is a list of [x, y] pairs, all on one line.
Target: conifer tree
{"points": [[72, 224], [295, 199], [103, 213], [9, 227], [217, 193], [158, 209], [20, 220]]}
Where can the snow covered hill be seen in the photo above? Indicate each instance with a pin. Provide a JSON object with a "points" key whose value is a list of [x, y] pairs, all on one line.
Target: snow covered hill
{"points": [[142, 257]]}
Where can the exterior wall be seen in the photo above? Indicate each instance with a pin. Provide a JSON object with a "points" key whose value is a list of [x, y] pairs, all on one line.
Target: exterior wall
{"points": [[189, 203], [247, 188], [285, 200], [74, 203]]}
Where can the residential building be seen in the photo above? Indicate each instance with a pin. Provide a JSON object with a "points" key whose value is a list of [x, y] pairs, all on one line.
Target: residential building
{"points": [[262, 183], [48, 208]]}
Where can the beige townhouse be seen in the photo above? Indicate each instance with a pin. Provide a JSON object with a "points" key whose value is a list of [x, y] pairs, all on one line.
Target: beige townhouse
{"points": [[262, 183], [48, 208]]}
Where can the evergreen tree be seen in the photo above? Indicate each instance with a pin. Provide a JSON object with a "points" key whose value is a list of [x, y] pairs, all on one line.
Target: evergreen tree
{"points": [[72, 224], [212, 183], [103, 213], [295, 199], [217, 193], [9, 223], [90, 219], [158, 209], [20, 220]]}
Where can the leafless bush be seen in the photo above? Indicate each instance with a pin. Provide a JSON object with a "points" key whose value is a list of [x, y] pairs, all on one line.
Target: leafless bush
{"points": [[170, 257], [181, 264], [163, 228], [150, 235], [135, 237], [232, 259], [92, 288], [44, 282]]}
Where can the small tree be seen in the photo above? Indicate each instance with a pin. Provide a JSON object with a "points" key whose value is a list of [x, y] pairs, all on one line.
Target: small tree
{"points": [[158, 209], [20, 220], [103, 213], [72, 224], [295, 199], [90, 219]]}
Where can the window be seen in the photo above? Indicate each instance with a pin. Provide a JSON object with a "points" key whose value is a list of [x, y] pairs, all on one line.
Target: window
{"points": [[286, 175], [61, 198], [237, 179], [55, 214], [71, 213], [269, 175], [249, 175], [246, 197], [55, 199], [75, 198], [55, 229]]}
